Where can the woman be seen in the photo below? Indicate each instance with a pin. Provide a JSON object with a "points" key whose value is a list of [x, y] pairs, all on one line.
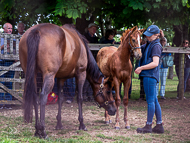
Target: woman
{"points": [[149, 70], [163, 72], [109, 37], [186, 67]]}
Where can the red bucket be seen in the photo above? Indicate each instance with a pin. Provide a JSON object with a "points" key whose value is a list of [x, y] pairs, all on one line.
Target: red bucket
{"points": [[52, 98]]}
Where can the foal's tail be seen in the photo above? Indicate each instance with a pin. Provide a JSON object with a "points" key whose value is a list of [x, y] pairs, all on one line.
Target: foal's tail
{"points": [[30, 90]]}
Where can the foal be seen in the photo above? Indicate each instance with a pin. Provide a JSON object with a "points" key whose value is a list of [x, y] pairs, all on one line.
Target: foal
{"points": [[115, 64]]}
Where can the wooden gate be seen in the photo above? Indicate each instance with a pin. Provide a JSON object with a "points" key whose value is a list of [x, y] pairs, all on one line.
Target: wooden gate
{"points": [[11, 53]]}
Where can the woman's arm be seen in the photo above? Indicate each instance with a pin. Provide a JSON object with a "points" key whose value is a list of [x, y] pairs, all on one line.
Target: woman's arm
{"points": [[151, 65]]}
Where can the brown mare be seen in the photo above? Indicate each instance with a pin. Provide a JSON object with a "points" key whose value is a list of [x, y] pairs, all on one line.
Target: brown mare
{"points": [[63, 53], [115, 64]]}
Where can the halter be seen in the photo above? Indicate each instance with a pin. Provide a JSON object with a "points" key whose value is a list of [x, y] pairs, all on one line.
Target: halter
{"points": [[100, 93], [132, 48]]}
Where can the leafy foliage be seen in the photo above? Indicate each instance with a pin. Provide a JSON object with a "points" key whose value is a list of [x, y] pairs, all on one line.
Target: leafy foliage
{"points": [[71, 9], [116, 13]]}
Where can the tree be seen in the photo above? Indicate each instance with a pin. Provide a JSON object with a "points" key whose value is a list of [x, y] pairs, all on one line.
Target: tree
{"points": [[167, 14], [27, 11]]}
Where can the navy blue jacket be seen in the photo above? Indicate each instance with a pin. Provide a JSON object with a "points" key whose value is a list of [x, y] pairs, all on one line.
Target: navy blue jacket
{"points": [[147, 58]]}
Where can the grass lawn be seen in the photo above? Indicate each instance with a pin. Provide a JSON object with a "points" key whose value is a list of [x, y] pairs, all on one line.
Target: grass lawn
{"points": [[175, 114], [170, 89]]}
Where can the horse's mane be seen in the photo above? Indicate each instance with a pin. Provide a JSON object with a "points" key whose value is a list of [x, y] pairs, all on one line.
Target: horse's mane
{"points": [[92, 68], [124, 35]]}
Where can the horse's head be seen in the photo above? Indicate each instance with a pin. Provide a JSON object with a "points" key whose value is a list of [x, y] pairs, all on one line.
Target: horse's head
{"points": [[134, 42], [104, 99], [133, 37]]}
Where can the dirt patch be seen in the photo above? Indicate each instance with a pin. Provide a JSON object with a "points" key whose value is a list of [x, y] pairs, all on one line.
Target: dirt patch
{"points": [[175, 115]]}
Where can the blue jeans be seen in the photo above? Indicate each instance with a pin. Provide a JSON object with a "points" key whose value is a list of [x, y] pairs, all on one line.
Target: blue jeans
{"points": [[186, 76], [87, 90], [162, 75], [152, 101], [69, 89]]}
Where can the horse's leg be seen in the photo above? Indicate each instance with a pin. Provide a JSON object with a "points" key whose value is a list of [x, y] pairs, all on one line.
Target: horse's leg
{"points": [[60, 102], [125, 102], [80, 82], [46, 89], [107, 118], [117, 101], [35, 103]]}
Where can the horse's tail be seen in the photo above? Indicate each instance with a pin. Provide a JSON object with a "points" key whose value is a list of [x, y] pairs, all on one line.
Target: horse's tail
{"points": [[30, 91]]}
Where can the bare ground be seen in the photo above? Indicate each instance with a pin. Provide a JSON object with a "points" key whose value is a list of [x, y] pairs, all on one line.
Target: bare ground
{"points": [[175, 115]]}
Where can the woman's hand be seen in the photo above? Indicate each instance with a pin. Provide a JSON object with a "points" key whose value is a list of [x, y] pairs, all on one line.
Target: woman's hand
{"points": [[161, 33], [138, 70], [151, 65]]}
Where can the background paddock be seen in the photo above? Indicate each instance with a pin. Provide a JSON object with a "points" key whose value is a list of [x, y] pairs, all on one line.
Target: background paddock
{"points": [[18, 80], [175, 112]]}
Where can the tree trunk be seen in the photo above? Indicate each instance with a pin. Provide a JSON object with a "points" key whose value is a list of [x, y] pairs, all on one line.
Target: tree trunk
{"points": [[102, 25], [185, 31], [181, 33], [65, 20], [181, 76], [108, 23], [81, 23], [171, 73], [177, 40]]}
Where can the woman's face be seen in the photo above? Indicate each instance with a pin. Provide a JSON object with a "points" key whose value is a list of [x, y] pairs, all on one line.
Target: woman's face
{"points": [[153, 37], [110, 37], [163, 42], [186, 43]]}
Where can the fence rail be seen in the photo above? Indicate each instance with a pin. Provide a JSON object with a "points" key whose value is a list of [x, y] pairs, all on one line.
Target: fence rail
{"points": [[13, 54]]}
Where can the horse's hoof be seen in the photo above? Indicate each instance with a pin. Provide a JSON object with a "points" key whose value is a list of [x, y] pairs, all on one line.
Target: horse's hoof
{"points": [[127, 127], [46, 137], [85, 129], [117, 128], [40, 135], [107, 122], [82, 127]]}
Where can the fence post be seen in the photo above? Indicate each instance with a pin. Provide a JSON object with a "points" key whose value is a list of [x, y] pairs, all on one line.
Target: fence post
{"points": [[181, 76], [170, 71]]}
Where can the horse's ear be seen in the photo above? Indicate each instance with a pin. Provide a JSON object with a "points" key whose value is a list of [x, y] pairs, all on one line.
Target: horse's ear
{"points": [[142, 30], [133, 29], [124, 34], [107, 82]]}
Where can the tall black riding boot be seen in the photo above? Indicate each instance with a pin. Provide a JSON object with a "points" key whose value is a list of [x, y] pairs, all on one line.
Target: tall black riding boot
{"points": [[146, 129], [158, 129]]}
